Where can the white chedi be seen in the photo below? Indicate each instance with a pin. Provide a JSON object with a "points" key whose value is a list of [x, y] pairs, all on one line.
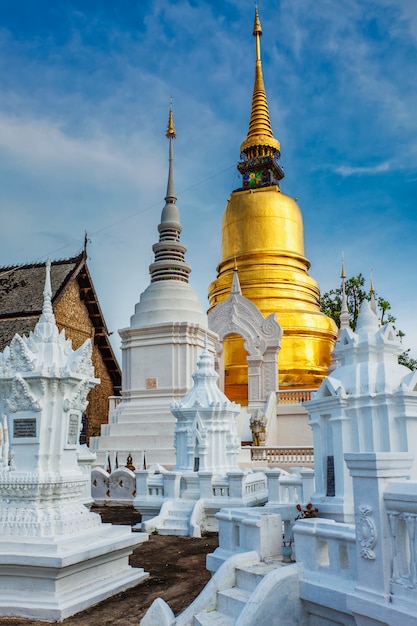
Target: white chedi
{"points": [[43, 389], [206, 436], [366, 405], [56, 557]]}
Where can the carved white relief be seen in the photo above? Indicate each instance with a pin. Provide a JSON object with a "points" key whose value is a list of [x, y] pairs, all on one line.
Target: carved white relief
{"points": [[262, 339], [21, 398], [20, 358], [80, 362], [366, 532], [77, 400]]}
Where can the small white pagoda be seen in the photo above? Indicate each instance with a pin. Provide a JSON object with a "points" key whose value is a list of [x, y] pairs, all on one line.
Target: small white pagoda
{"points": [[56, 557], [206, 476], [366, 405]]}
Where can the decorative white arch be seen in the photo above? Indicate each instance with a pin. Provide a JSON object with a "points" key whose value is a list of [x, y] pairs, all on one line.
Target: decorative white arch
{"points": [[262, 336]]}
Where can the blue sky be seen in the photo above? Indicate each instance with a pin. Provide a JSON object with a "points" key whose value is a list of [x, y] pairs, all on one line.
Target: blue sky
{"points": [[84, 100]]}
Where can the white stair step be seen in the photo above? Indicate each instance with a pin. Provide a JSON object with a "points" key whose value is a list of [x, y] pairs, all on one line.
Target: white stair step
{"points": [[179, 532], [247, 580], [249, 577], [175, 517], [213, 618], [231, 601]]}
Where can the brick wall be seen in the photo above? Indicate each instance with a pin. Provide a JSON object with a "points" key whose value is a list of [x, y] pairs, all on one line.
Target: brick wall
{"points": [[72, 315]]}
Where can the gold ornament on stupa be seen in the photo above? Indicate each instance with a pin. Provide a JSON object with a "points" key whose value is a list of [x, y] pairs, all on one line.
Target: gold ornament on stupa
{"points": [[263, 238]]}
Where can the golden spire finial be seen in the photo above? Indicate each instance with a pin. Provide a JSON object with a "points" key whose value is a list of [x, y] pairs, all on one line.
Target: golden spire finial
{"points": [[343, 275], [371, 285], [372, 292], [257, 28], [260, 140], [170, 133]]}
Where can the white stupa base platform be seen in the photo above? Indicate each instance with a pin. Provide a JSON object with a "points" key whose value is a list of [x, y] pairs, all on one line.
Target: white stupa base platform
{"points": [[51, 579]]}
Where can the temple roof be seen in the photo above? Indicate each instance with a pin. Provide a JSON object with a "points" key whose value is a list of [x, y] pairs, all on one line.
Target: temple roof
{"points": [[21, 302]]}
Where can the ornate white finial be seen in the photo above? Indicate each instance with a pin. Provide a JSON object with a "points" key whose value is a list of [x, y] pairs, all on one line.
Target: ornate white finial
{"points": [[235, 289], [46, 328]]}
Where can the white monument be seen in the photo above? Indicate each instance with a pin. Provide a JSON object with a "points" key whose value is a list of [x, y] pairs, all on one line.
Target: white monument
{"points": [[367, 404], [206, 476], [56, 557], [160, 349]]}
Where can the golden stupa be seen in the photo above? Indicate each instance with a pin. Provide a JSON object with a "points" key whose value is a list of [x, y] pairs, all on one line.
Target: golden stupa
{"points": [[263, 239]]}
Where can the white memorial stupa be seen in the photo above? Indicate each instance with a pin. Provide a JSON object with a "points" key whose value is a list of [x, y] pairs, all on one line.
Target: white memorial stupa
{"points": [[160, 349], [206, 476], [366, 405], [56, 557]]}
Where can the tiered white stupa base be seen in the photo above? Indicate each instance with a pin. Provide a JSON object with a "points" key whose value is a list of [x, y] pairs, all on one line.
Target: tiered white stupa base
{"points": [[52, 578], [142, 430]]}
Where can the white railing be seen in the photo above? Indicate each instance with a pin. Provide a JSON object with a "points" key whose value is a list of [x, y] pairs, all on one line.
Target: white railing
{"points": [[294, 396], [156, 485], [119, 487], [221, 491], [254, 486], [283, 455], [327, 549]]}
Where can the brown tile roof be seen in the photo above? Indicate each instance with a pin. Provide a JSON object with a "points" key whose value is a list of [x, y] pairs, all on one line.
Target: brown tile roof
{"points": [[21, 287], [21, 300]]}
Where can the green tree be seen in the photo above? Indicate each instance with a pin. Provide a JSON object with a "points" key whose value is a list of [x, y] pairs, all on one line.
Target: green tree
{"points": [[331, 305]]}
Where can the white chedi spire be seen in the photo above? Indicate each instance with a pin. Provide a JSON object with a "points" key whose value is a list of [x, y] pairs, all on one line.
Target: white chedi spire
{"points": [[368, 358], [169, 252], [169, 298], [46, 328]]}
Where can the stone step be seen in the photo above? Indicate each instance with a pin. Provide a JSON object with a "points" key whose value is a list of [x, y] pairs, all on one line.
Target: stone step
{"points": [[176, 519], [173, 522], [213, 618], [231, 601], [248, 578], [180, 532]]}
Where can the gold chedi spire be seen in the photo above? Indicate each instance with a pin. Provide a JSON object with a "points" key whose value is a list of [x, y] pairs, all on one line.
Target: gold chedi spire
{"points": [[260, 140], [262, 235]]}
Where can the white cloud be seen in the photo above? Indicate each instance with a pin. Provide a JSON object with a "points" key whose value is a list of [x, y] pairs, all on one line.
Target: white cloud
{"points": [[348, 170]]}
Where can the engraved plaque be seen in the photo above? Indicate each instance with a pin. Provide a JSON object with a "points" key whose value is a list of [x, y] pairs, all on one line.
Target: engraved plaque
{"points": [[151, 383], [331, 487], [25, 427], [72, 438]]}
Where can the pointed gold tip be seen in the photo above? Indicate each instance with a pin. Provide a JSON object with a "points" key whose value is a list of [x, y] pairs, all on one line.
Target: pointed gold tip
{"points": [[257, 28], [170, 132], [371, 287], [260, 139], [343, 275]]}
